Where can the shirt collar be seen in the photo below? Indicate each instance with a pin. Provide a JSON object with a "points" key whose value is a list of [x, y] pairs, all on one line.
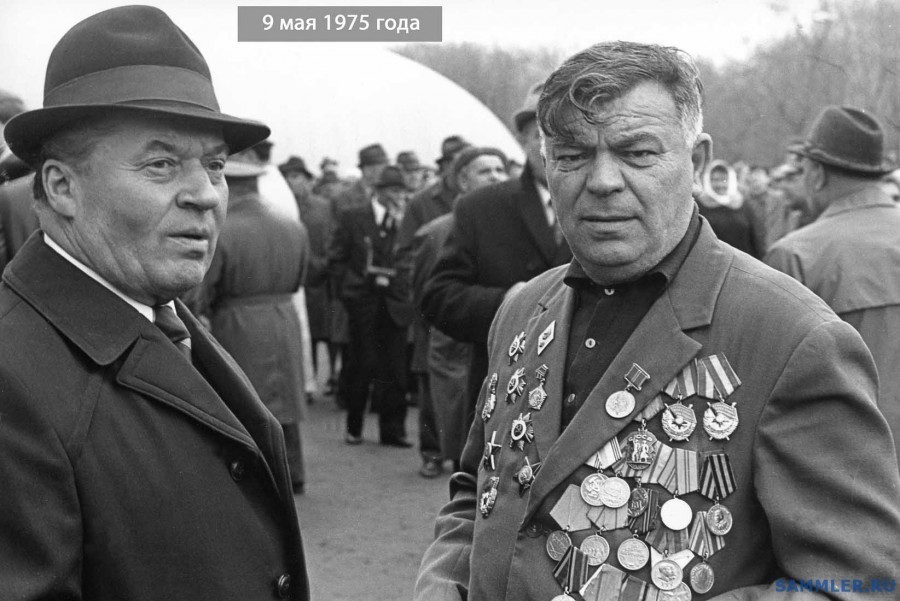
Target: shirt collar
{"points": [[145, 310], [667, 269], [379, 209]]}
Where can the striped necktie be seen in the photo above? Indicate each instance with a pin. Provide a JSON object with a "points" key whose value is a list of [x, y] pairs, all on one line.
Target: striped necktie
{"points": [[174, 329]]}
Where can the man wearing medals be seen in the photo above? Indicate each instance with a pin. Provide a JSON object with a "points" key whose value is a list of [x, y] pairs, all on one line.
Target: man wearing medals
{"points": [[664, 418]]}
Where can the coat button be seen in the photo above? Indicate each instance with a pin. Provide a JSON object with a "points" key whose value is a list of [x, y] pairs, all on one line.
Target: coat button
{"points": [[237, 469], [590, 343], [283, 586]]}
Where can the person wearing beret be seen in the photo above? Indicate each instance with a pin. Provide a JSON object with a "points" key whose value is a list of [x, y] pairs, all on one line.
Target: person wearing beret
{"points": [[136, 458], [665, 417], [361, 262], [850, 254]]}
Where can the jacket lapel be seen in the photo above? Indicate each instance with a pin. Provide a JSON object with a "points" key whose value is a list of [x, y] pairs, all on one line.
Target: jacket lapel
{"points": [[531, 208], [659, 345]]}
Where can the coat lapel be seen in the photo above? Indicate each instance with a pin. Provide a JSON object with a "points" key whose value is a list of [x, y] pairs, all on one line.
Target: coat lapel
{"points": [[530, 207], [659, 345]]}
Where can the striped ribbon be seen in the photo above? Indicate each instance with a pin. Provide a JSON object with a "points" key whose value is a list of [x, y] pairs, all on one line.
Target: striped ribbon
{"points": [[686, 477], [665, 539], [606, 584], [570, 512], [685, 383], [636, 376], [716, 477], [572, 570], [609, 518], [608, 455], [651, 410], [633, 589], [703, 542], [715, 377]]}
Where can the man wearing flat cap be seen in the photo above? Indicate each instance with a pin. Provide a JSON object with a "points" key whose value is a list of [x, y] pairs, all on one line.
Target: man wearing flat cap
{"points": [[665, 417], [361, 260], [850, 254], [137, 461]]}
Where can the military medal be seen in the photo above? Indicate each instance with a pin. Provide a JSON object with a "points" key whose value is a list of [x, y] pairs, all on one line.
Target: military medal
{"points": [[596, 548], [679, 593], [638, 501], [558, 542], [676, 514], [633, 554], [720, 420], [521, 431], [719, 520], [489, 497], [702, 577], [525, 475], [491, 400], [517, 347], [614, 492], [679, 421], [639, 449], [516, 385], [646, 520], [538, 395], [546, 337], [571, 571], [570, 511], [704, 542], [621, 403], [490, 448], [666, 574], [590, 489], [716, 476]]}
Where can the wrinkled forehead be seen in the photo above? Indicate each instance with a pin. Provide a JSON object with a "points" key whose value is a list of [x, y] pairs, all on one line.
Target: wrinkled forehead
{"points": [[162, 130]]}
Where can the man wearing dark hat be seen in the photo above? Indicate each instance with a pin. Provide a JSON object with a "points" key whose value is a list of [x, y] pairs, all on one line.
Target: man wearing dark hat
{"points": [[315, 213], [665, 417], [137, 461], [372, 159], [850, 254], [413, 172], [17, 217], [504, 234], [247, 296], [362, 263]]}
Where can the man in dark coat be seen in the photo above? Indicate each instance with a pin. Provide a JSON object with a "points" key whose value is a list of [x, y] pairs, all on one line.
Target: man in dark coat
{"points": [[503, 235], [315, 213], [662, 412], [17, 217], [362, 263], [247, 295], [137, 461]]}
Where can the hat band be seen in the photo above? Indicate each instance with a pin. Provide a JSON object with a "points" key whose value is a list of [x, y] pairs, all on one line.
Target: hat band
{"points": [[135, 83]]}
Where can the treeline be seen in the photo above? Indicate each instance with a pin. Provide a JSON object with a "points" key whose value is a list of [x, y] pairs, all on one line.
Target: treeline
{"points": [[849, 53]]}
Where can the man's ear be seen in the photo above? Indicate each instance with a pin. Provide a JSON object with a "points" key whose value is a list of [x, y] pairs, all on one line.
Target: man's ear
{"points": [[818, 175], [701, 155], [61, 187]]}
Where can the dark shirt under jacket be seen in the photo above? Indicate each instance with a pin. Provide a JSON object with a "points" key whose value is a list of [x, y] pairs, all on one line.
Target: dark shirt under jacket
{"points": [[609, 315]]}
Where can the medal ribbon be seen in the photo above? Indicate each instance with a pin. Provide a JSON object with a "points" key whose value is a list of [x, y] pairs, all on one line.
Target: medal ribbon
{"points": [[636, 376], [685, 383], [651, 410], [703, 542], [609, 518], [608, 454], [646, 522], [604, 585], [633, 589], [687, 472], [658, 468], [715, 375], [716, 478], [572, 570]]}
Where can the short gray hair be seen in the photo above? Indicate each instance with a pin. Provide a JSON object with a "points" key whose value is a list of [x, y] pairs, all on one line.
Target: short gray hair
{"points": [[588, 80]]}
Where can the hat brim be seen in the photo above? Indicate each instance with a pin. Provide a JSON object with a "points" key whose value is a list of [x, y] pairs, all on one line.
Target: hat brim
{"points": [[819, 155], [26, 133]]}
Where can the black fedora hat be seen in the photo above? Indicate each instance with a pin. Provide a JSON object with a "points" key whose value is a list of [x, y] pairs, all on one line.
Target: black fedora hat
{"points": [[848, 138], [295, 164], [391, 177], [131, 58]]}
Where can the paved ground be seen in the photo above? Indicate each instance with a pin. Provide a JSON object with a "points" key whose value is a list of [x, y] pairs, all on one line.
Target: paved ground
{"points": [[367, 516]]}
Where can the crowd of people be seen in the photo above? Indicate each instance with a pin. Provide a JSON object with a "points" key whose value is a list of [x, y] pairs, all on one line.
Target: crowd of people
{"points": [[565, 327]]}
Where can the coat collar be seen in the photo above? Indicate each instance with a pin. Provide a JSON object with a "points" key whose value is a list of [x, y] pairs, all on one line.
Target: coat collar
{"points": [[529, 204], [867, 197], [686, 304]]}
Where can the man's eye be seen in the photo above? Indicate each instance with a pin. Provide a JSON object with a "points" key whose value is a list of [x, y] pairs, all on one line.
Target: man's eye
{"points": [[571, 157], [216, 165], [161, 164]]}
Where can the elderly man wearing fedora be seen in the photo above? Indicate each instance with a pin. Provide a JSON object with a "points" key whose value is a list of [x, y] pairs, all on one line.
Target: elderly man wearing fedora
{"points": [[136, 459], [850, 255]]}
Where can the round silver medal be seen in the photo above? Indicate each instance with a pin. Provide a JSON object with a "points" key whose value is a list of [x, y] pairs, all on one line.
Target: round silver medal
{"points": [[614, 492], [558, 542], [633, 554], [620, 404], [702, 578], [666, 574], [596, 548], [676, 514], [679, 593], [719, 520], [590, 489], [563, 597], [679, 421]]}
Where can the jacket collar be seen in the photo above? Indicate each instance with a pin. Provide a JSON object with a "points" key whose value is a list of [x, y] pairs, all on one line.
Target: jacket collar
{"points": [[867, 197]]}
